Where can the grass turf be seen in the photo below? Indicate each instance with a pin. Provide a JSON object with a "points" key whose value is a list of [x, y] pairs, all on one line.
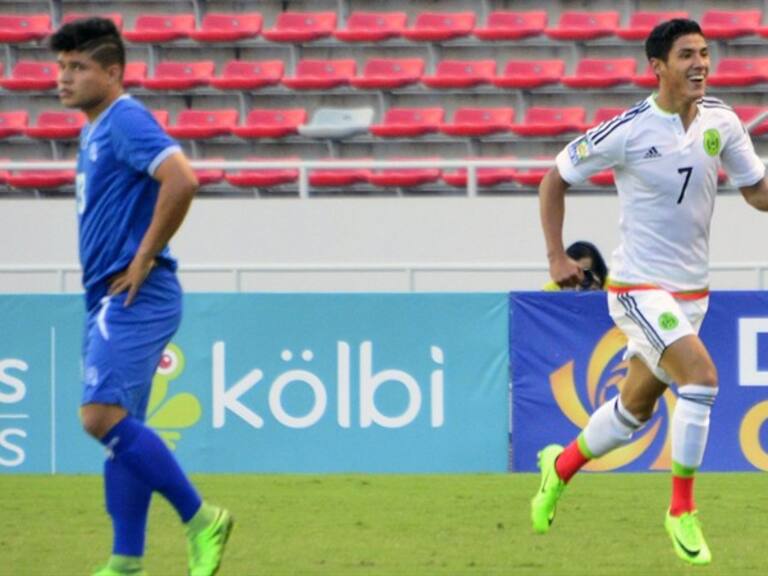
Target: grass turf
{"points": [[339, 525]]}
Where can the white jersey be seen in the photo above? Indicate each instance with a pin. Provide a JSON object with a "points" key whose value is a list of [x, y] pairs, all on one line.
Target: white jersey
{"points": [[667, 180]]}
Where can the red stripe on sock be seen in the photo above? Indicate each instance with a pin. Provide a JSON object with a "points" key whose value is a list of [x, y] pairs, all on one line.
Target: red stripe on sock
{"points": [[570, 461], [682, 496]]}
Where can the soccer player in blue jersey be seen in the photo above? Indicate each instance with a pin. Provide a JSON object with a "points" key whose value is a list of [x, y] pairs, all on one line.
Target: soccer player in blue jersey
{"points": [[134, 187]]}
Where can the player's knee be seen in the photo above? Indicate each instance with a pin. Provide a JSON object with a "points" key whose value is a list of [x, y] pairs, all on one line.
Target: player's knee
{"points": [[641, 408]]}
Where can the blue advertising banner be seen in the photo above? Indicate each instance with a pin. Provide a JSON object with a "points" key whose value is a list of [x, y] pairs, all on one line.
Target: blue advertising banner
{"points": [[566, 359], [279, 383]]}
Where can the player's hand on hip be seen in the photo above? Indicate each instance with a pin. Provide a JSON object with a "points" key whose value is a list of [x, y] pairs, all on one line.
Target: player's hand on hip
{"points": [[565, 272], [131, 278]]}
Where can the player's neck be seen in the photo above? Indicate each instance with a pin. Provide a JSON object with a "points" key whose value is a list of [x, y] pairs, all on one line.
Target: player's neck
{"points": [[684, 107], [93, 112]]}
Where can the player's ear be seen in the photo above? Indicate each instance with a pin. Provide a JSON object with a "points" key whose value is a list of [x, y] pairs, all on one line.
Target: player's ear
{"points": [[115, 73], [656, 65]]}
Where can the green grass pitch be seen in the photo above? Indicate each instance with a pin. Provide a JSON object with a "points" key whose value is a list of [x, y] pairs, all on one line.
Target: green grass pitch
{"points": [[339, 525]]}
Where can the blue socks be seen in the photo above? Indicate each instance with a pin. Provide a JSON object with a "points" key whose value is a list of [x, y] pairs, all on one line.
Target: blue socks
{"points": [[139, 464]]}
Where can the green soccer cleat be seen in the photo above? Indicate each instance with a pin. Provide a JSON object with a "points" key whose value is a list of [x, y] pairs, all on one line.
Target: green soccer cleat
{"points": [[687, 538], [544, 503], [109, 571], [206, 548]]}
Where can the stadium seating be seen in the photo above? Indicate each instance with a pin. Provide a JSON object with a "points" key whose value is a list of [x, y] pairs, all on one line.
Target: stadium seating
{"points": [[728, 24], [337, 123], [479, 121], [134, 74], [57, 125], [503, 25], [408, 122], [24, 27], [601, 73], [321, 74], [297, 27], [249, 74], [13, 123], [157, 28], [29, 75], [748, 115], [403, 177], [440, 26], [388, 73], [116, 17], [604, 178], [261, 178], [41, 179], [543, 121], [531, 177], [605, 113], [739, 72], [642, 22], [162, 117], [486, 177], [584, 25], [372, 26], [461, 74], [208, 176], [172, 75], [526, 74], [227, 27], [647, 79], [271, 123], [335, 178], [197, 124]]}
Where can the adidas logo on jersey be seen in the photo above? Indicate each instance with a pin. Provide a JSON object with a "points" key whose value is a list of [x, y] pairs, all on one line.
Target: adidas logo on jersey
{"points": [[652, 153]]}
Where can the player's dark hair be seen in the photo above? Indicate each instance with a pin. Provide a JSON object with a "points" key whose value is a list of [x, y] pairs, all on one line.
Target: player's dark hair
{"points": [[659, 42], [98, 37], [582, 249]]}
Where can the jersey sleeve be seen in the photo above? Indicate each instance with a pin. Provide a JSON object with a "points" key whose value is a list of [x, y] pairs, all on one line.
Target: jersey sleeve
{"points": [[598, 149], [139, 141], [740, 161]]}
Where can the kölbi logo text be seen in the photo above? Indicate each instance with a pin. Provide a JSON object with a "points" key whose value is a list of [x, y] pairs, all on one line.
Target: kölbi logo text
{"points": [[231, 399]]}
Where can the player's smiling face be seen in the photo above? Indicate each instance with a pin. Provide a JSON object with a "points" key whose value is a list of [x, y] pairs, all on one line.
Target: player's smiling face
{"points": [[84, 83], [685, 72]]}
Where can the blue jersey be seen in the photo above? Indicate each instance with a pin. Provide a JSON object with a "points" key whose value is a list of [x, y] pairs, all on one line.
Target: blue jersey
{"points": [[116, 193]]}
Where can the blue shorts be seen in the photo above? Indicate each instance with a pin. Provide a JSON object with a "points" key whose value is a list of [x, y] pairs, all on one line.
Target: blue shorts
{"points": [[122, 346]]}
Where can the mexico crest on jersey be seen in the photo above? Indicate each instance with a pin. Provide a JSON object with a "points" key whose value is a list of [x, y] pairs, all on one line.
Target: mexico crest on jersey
{"points": [[712, 142]]}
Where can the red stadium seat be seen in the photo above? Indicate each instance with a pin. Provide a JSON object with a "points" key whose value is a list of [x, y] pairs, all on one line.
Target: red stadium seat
{"points": [[13, 123], [601, 73], [727, 24], [748, 114], [372, 26], [461, 73], [207, 176], [641, 23], [479, 121], [337, 177], [321, 74], [249, 74], [541, 121], [408, 122], [604, 178], [604, 114], [194, 124], [271, 123], [530, 73], [4, 173], [134, 74], [296, 27], [31, 75], [647, 79], [584, 25], [36, 179], [116, 17], [503, 25], [440, 26], [156, 28], [486, 177], [383, 73], [57, 125], [227, 27], [739, 72], [262, 178], [162, 117], [403, 177], [24, 27], [529, 176], [180, 75]]}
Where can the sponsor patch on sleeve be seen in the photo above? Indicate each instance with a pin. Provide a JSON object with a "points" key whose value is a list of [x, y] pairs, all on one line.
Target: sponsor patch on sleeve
{"points": [[579, 150]]}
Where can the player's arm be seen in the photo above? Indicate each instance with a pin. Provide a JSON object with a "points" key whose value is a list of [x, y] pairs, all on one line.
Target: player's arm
{"points": [[757, 194], [562, 270], [178, 185]]}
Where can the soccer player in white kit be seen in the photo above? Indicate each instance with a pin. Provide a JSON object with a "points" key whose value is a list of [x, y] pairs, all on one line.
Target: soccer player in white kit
{"points": [[665, 153]]}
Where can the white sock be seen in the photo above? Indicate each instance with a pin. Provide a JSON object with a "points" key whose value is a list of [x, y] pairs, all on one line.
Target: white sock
{"points": [[610, 426], [690, 424]]}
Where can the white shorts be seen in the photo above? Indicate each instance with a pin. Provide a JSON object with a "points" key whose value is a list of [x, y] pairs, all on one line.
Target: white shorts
{"points": [[652, 320]]}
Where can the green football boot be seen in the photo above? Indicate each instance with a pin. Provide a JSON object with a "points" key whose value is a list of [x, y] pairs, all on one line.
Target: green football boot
{"points": [[206, 548], [109, 571], [544, 503], [687, 538]]}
